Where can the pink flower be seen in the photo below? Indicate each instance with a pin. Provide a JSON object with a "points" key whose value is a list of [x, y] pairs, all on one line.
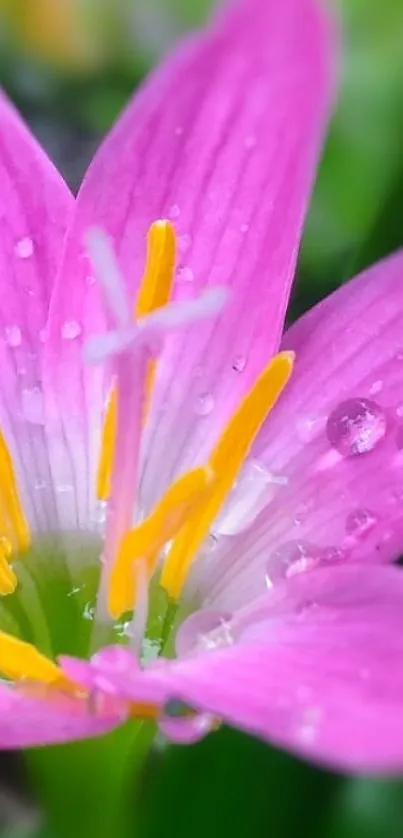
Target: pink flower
{"points": [[159, 452]]}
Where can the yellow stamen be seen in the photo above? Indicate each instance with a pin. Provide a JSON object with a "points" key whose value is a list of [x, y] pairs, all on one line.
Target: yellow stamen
{"points": [[155, 292], [20, 660], [225, 462], [147, 540], [13, 524], [107, 447], [8, 579]]}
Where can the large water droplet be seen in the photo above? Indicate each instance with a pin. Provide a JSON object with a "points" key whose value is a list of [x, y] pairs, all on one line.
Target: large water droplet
{"points": [[292, 557], [13, 335], [356, 426], [209, 629], [24, 248], [33, 406], [71, 329], [360, 522], [204, 404]]}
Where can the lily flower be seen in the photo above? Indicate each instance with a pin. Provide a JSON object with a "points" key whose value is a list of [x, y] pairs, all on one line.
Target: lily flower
{"points": [[175, 475]]}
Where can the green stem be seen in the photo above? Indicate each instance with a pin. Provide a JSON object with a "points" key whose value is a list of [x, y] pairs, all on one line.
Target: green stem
{"points": [[89, 788]]}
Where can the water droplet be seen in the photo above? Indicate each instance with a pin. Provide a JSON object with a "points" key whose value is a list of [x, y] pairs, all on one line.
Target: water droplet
{"points": [[207, 628], [88, 611], [307, 728], [292, 557], [250, 142], [204, 404], [75, 591], [239, 363], [356, 426], [185, 274], [24, 248], [184, 243], [13, 335], [309, 427], [63, 488], [360, 522], [376, 387], [33, 406], [71, 329], [174, 211]]}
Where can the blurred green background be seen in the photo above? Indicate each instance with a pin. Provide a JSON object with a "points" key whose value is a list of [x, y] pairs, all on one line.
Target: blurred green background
{"points": [[70, 65]]}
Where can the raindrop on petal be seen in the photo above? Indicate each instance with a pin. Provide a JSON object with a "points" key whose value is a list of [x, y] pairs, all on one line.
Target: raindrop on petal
{"points": [[360, 522], [71, 329], [292, 557], [204, 404], [33, 406], [185, 274], [24, 248], [239, 363], [356, 426], [13, 335], [207, 628], [184, 242], [174, 211]]}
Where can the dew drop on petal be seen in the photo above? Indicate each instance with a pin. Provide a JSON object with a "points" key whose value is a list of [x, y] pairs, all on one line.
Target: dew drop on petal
{"points": [[33, 406], [356, 426], [376, 387], [24, 248], [204, 404], [292, 557], [250, 142], [185, 274], [174, 211], [71, 329], [13, 335], [184, 242], [360, 522], [209, 629], [239, 363]]}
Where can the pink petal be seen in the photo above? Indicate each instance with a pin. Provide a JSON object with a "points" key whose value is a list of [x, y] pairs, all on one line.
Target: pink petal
{"points": [[223, 139], [335, 506], [316, 667], [35, 205], [27, 721]]}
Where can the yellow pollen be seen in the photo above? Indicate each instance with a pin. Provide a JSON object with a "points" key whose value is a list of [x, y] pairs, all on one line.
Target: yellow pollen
{"points": [[225, 462], [155, 292], [147, 540], [23, 661], [14, 530]]}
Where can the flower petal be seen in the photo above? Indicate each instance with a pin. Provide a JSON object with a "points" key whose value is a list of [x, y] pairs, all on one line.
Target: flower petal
{"points": [[316, 667], [223, 140], [30, 720], [342, 456], [35, 205]]}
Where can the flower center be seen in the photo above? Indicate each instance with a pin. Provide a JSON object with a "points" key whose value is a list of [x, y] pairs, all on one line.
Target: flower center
{"points": [[181, 520], [169, 538]]}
